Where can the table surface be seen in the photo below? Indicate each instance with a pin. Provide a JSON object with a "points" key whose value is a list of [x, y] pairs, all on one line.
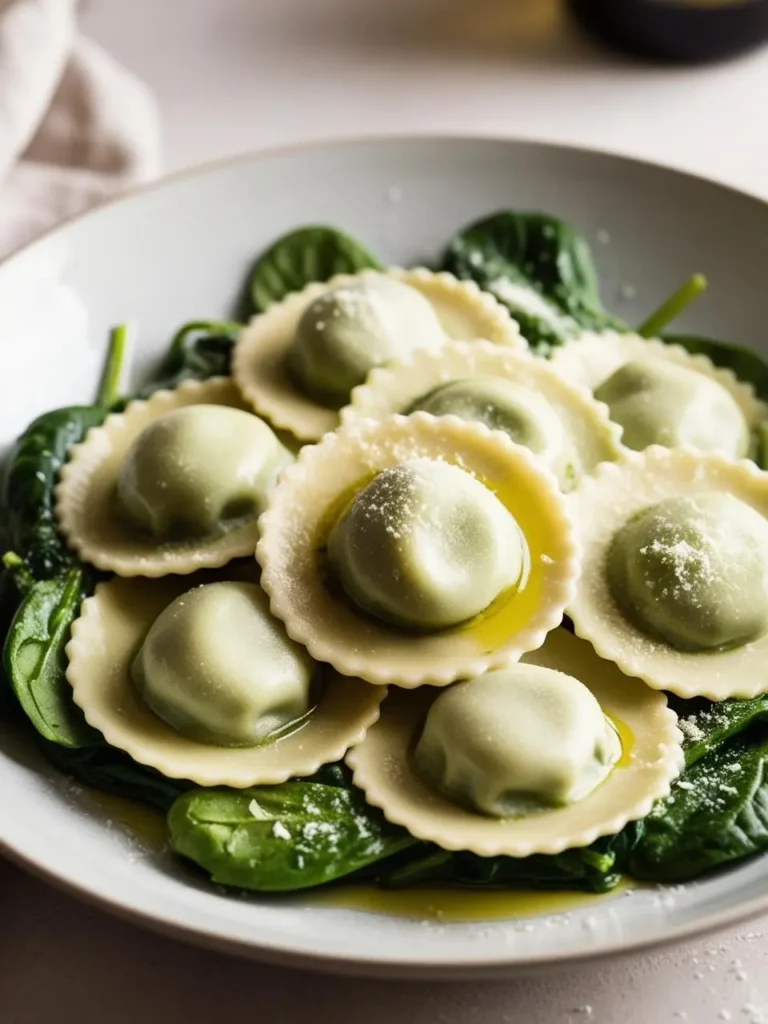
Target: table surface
{"points": [[233, 75]]}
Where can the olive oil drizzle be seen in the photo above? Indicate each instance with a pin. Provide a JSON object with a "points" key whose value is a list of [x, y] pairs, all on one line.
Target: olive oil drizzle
{"points": [[424, 903], [512, 608], [453, 904]]}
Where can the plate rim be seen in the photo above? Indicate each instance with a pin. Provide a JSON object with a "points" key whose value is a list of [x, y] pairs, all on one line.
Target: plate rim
{"points": [[277, 150], [430, 969], [435, 968]]}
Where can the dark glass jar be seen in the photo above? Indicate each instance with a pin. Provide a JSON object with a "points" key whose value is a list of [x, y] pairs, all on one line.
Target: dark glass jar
{"points": [[676, 30]]}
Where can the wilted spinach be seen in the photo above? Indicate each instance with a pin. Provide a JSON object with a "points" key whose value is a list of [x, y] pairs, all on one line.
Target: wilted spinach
{"points": [[302, 257], [200, 349], [716, 814], [15, 581], [707, 725], [539, 267], [111, 771], [28, 489], [336, 774], [279, 838], [306, 833], [32, 469], [34, 661], [594, 868]]}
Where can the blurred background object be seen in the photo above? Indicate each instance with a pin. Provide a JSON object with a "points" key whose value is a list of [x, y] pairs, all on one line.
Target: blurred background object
{"points": [[676, 30], [234, 75], [75, 126]]}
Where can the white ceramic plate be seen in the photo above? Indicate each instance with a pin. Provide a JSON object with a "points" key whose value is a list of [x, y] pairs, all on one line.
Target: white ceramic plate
{"points": [[179, 251]]}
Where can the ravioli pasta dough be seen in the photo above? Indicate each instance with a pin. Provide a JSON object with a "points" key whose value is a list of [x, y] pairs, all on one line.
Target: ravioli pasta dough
{"points": [[172, 484], [297, 363], [523, 414], [656, 402], [536, 757], [350, 329], [693, 571], [506, 389], [219, 669], [425, 545], [204, 684], [472, 496], [661, 394], [675, 563], [501, 405], [516, 740], [417, 550], [195, 469]]}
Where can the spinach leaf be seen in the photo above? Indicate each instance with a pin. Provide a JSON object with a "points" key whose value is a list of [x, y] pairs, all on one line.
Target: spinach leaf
{"points": [[594, 868], [716, 814], [111, 771], [27, 489], [746, 364], [199, 350], [314, 253], [539, 267], [761, 445], [336, 774], [34, 663], [34, 660], [10, 596], [26, 496], [279, 838], [706, 725]]}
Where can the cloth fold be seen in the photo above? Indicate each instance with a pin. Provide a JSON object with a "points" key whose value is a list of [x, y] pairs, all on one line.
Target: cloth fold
{"points": [[75, 126]]}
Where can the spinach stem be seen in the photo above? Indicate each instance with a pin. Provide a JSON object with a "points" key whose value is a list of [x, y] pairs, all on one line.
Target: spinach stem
{"points": [[672, 307], [109, 385], [225, 328]]}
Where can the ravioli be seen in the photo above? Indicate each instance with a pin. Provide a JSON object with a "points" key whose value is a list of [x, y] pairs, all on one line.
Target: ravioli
{"points": [[501, 405], [350, 329], [674, 569], [231, 726], [297, 363], [325, 574], [516, 740], [506, 389], [521, 760], [218, 668], [656, 402], [693, 571], [172, 484], [661, 394], [425, 545], [193, 470]]}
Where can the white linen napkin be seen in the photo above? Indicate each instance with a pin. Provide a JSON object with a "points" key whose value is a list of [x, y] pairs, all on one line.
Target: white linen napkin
{"points": [[75, 126]]}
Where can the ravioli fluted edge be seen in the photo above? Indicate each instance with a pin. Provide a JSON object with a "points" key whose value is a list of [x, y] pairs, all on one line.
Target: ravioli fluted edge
{"points": [[86, 509], [382, 766], [600, 506], [258, 362], [296, 522], [105, 638]]}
